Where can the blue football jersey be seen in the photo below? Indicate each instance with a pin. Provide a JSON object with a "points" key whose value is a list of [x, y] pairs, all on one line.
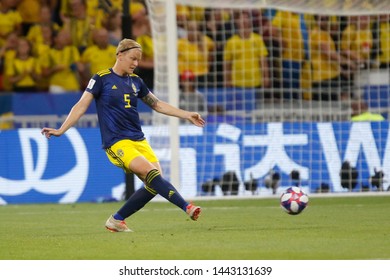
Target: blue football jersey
{"points": [[116, 100]]}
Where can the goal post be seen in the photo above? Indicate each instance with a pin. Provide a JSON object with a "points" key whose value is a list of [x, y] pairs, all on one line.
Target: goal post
{"points": [[280, 101]]}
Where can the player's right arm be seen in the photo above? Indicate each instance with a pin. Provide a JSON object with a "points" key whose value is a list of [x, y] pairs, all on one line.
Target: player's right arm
{"points": [[75, 114]]}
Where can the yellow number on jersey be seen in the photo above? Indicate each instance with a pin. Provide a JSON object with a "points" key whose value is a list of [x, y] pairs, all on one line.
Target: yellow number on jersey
{"points": [[127, 100]]}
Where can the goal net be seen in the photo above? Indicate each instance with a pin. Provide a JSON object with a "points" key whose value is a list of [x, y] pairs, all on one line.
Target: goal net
{"points": [[293, 92]]}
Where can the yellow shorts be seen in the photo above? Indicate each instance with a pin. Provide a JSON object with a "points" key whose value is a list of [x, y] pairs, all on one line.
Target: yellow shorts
{"points": [[123, 152]]}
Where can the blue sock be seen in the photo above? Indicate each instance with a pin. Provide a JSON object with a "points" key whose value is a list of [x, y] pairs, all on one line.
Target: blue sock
{"points": [[155, 181], [135, 202], [118, 217]]}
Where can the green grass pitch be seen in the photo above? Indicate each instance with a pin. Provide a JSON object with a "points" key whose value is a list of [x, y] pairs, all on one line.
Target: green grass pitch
{"points": [[331, 228]]}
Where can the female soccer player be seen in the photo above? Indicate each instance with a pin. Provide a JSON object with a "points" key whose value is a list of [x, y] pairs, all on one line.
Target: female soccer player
{"points": [[116, 92]]}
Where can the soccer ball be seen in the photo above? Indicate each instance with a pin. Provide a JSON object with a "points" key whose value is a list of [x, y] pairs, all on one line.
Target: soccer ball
{"points": [[294, 200]]}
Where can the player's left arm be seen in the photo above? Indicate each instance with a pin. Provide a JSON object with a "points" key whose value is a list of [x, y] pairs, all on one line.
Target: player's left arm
{"points": [[165, 108]]}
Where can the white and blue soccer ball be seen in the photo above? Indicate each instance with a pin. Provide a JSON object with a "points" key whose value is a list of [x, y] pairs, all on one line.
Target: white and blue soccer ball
{"points": [[294, 200]]}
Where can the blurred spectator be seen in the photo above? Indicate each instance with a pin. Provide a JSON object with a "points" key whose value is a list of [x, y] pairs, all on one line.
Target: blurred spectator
{"points": [[356, 45], [145, 67], [245, 56], [197, 13], [182, 17], [62, 65], [36, 34], [361, 113], [29, 11], [23, 71], [381, 52], [357, 41], [94, 10], [113, 24], [337, 24], [7, 54], [96, 13], [140, 20], [194, 53], [263, 24], [136, 7], [10, 19], [190, 98], [291, 33], [262, 21], [219, 27], [327, 81], [79, 24], [113, 21], [41, 49], [99, 56]]}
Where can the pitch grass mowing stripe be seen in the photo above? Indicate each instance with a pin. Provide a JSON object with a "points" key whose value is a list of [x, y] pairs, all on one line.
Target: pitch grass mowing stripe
{"points": [[330, 228]]}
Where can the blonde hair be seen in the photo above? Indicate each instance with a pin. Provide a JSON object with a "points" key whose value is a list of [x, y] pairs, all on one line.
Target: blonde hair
{"points": [[127, 44]]}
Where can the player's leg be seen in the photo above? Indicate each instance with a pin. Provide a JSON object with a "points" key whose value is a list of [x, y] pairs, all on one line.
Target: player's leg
{"points": [[137, 200], [148, 169], [150, 173], [134, 203], [138, 157], [121, 154]]}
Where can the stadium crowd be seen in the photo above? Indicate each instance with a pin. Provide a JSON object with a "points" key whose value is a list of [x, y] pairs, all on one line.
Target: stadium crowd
{"points": [[55, 46]]}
